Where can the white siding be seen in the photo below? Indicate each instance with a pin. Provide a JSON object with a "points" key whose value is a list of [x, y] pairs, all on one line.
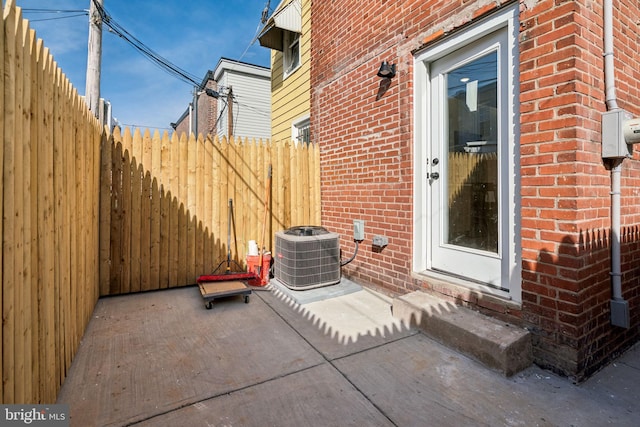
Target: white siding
{"points": [[251, 103]]}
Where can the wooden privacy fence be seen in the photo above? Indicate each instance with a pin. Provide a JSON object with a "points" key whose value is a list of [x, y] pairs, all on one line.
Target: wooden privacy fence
{"points": [[165, 204], [49, 198], [88, 213], [473, 199], [466, 168]]}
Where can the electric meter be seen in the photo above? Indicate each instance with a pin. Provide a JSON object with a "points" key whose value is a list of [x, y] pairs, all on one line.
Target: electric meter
{"points": [[631, 131]]}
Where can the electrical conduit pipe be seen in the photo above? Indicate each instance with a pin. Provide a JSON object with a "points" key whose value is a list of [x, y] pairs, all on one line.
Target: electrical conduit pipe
{"points": [[619, 307]]}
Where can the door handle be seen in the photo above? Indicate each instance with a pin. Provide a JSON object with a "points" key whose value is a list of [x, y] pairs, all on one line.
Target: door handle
{"points": [[434, 175]]}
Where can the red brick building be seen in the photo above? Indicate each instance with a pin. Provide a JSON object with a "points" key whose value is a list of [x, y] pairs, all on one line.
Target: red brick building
{"points": [[480, 161]]}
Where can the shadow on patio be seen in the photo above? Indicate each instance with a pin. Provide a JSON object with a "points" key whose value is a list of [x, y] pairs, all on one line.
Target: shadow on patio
{"points": [[146, 355]]}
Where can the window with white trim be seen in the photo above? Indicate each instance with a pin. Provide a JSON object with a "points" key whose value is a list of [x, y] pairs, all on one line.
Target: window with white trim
{"points": [[291, 52], [301, 131]]}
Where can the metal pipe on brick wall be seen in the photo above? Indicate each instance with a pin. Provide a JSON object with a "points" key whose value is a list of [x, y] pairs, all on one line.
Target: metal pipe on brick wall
{"points": [[616, 269], [609, 66], [619, 307]]}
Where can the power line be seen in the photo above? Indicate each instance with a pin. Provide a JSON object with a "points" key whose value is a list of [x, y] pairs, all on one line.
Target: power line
{"points": [[257, 110], [70, 13], [133, 126], [263, 19], [59, 17], [119, 30], [36, 10], [145, 50], [239, 97]]}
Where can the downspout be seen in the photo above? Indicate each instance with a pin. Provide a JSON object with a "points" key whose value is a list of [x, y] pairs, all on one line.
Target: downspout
{"points": [[619, 307]]}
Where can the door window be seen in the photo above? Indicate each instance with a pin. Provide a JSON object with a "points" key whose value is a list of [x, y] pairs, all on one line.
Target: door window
{"points": [[471, 184]]}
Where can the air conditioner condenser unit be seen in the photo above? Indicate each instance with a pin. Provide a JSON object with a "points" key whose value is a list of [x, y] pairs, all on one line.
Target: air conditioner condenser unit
{"points": [[307, 257]]}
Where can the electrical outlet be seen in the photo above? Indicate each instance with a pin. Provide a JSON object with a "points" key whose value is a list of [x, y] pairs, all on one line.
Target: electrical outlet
{"points": [[380, 241], [358, 229]]}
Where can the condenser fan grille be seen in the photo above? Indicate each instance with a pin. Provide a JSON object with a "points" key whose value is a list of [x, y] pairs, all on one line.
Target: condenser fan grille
{"points": [[307, 257]]}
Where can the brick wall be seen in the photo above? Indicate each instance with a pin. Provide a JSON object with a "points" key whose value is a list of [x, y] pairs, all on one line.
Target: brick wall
{"points": [[365, 131], [207, 113], [566, 184], [207, 110]]}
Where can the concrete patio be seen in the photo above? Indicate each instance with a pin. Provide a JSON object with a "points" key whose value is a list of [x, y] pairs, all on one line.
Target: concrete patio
{"points": [[161, 359]]}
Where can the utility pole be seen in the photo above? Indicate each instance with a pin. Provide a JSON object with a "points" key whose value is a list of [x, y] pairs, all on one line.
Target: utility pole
{"points": [[92, 90], [196, 95], [230, 112]]}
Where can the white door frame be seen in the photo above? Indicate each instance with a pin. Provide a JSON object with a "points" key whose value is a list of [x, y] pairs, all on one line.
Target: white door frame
{"points": [[511, 277]]}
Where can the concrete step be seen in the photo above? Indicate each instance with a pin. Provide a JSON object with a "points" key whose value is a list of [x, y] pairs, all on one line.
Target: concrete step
{"points": [[498, 345]]}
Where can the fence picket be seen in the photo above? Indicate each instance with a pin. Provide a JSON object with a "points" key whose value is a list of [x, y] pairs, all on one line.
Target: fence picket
{"points": [[67, 230], [117, 157], [154, 215], [3, 331], [218, 208], [198, 215], [233, 194], [252, 187], [20, 190], [73, 232], [183, 191], [126, 213], [266, 161], [224, 193], [135, 150], [174, 232], [278, 187], [31, 272], [145, 167], [57, 133], [165, 205], [207, 206], [8, 242], [104, 214], [191, 214], [45, 233]]}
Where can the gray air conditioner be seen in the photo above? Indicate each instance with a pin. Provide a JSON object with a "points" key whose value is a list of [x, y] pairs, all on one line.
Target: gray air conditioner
{"points": [[307, 257]]}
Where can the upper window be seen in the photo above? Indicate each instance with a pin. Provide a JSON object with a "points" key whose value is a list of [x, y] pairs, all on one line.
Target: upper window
{"points": [[291, 53]]}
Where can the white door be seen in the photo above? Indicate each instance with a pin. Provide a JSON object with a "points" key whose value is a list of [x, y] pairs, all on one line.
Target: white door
{"points": [[466, 167]]}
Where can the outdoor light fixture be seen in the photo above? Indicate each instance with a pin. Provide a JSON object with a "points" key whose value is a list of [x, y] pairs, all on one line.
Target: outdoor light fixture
{"points": [[386, 70]]}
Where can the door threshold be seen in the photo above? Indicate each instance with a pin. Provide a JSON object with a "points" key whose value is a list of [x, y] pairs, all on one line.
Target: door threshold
{"points": [[466, 290]]}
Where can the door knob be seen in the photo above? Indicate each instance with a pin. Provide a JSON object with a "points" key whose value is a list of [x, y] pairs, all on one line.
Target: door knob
{"points": [[435, 175]]}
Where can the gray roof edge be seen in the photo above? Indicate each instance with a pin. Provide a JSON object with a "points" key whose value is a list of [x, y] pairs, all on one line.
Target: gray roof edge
{"points": [[231, 65]]}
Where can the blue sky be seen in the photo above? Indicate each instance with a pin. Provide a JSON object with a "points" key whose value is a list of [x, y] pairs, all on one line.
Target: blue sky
{"points": [[193, 35]]}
